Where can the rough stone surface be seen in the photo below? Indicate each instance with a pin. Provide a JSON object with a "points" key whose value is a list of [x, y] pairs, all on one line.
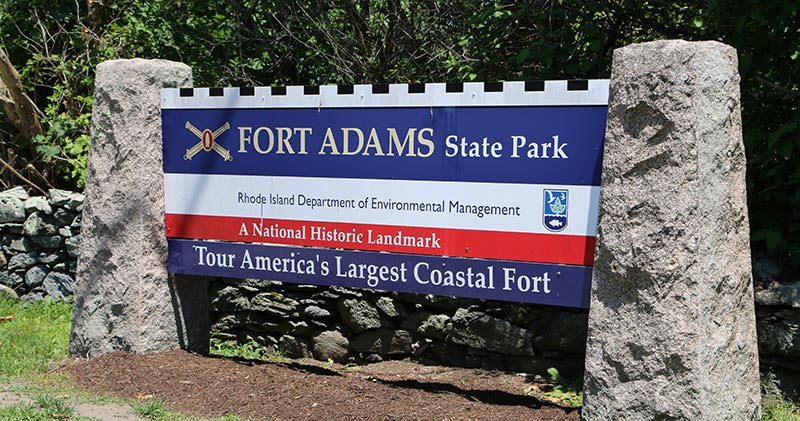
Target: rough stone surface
{"points": [[273, 303], [18, 192], [6, 292], [435, 326], [38, 203], [35, 276], [10, 279], [66, 199], [49, 242], [331, 345], [72, 245], [22, 261], [359, 314], [481, 331], [780, 335], [780, 295], [562, 331], [59, 286], [294, 347], [672, 326], [383, 341], [35, 225], [11, 209], [315, 312], [388, 306], [125, 300]]}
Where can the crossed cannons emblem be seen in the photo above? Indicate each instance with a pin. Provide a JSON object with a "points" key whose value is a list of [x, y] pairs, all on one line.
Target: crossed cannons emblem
{"points": [[208, 142]]}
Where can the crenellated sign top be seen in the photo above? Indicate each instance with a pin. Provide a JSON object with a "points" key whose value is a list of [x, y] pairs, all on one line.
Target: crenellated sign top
{"points": [[467, 94]]}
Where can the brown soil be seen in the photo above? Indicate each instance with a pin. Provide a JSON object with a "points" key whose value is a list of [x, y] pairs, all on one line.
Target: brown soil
{"points": [[308, 390]]}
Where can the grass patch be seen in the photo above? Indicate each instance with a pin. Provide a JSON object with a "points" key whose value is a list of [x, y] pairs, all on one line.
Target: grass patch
{"points": [[152, 409], [776, 408], [155, 409], [32, 336], [45, 407]]}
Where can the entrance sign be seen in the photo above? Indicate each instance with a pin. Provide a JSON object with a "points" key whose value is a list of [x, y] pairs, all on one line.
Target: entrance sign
{"points": [[476, 190]]}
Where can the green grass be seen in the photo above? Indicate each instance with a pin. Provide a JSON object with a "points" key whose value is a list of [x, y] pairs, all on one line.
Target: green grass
{"points": [[36, 338], [45, 407], [37, 335], [154, 409], [779, 409]]}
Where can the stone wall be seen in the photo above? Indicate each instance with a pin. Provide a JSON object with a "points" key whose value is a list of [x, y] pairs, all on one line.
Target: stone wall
{"points": [[778, 325], [360, 326], [40, 238]]}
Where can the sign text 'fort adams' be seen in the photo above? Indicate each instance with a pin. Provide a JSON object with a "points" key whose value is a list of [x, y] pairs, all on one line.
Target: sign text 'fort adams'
{"points": [[483, 190]]}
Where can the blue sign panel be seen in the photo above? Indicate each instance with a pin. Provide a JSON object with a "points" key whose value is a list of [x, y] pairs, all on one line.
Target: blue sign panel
{"points": [[559, 285], [482, 191], [542, 145]]}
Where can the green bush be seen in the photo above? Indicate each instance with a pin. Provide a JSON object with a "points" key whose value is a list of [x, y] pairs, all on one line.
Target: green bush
{"points": [[56, 45]]}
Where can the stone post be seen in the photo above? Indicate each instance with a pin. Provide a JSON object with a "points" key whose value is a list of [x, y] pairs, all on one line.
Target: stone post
{"points": [[125, 300], [671, 320]]}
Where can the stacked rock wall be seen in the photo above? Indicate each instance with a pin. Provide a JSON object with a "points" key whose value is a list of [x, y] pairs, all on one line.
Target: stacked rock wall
{"points": [[360, 326], [347, 325], [778, 324], [40, 238]]}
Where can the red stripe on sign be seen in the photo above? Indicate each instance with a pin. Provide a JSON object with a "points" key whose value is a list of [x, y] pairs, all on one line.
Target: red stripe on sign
{"points": [[526, 247]]}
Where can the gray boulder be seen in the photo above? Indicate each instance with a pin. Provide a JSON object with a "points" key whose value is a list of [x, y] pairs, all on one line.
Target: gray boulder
{"points": [[17, 192], [435, 326], [780, 335], [72, 244], [11, 279], [359, 314], [22, 261], [481, 331], [37, 203], [35, 225], [59, 286], [49, 241], [8, 293], [66, 199], [562, 331], [11, 209], [383, 341], [780, 295], [315, 312], [35, 276], [275, 304], [294, 347], [672, 326], [331, 345]]}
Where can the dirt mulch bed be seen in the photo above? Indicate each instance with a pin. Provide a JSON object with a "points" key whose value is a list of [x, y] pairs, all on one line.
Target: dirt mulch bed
{"points": [[308, 390]]}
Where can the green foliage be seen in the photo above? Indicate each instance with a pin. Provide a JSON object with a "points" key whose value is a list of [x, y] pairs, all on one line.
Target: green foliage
{"points": [[56, 45], [37, 335], [22, 412], [250, 350], [57, 407], [155, 409], [152, 409], [779, 409], [45, 407], [567, 393]]}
